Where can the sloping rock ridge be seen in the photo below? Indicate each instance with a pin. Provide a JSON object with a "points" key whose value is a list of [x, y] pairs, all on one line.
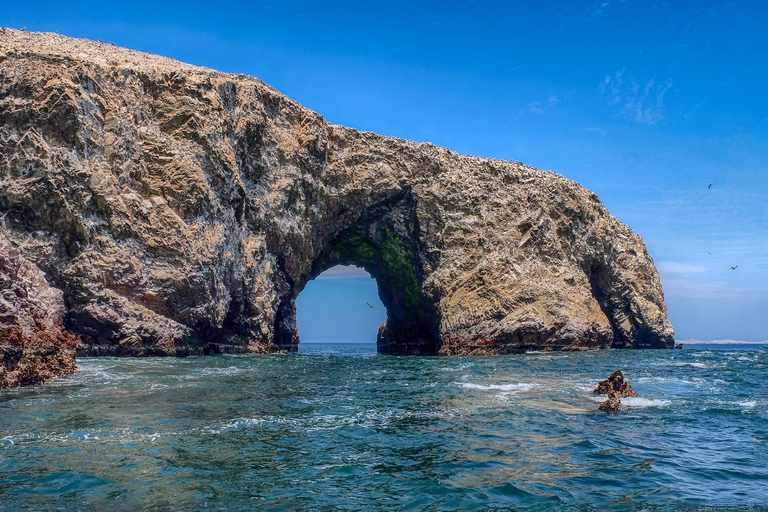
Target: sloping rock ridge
{"points": [[34, 346], [182, 210]]}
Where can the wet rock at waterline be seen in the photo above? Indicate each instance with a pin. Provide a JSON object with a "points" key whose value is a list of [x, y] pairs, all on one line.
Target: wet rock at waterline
{"points": [[182, 210], [34, 346], [612, 404]]}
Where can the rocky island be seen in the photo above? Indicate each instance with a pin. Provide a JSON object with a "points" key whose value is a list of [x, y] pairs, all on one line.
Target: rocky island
{"points": [[180, 210]]}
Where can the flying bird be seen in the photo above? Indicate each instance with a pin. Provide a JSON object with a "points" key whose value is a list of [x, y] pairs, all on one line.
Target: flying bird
{"points": [[709, 187], [369, 305], [734, 268]]}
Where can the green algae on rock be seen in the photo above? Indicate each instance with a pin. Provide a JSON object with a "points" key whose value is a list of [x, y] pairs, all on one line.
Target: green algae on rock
{"points": [[182, 210]]}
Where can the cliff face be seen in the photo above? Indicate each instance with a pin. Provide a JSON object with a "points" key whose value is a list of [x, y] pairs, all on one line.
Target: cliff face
{"points": [[182, 210]]}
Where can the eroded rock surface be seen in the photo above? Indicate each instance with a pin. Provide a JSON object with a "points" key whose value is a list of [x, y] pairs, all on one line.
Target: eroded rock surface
{"points": [[34, 346], [182, 210]]}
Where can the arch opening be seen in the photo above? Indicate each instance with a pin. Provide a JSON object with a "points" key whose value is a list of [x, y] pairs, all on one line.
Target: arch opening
{"points": [[341, 305]]}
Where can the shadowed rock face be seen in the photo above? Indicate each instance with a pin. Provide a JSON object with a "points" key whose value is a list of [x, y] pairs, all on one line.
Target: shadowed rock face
{"points": [[182, 210]]}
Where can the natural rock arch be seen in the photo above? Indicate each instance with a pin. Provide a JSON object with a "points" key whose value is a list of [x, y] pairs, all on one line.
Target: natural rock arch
{"points": [[383, 242], [182, 211]]}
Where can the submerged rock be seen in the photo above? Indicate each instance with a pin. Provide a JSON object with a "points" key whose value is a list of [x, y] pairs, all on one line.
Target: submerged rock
{"points": [[612, 404], [34, 346], [182, 210]]}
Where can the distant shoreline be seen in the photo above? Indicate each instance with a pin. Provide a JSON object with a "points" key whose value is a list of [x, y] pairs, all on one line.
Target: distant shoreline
{"points": [[721, 342], [684, 342]]}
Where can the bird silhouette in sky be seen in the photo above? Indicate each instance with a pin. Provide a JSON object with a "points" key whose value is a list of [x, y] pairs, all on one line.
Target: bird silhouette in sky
{"points": [[369, 305], [709, 187], [734, 268]]}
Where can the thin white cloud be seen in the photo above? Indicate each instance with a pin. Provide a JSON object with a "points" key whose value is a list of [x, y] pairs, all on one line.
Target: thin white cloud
{"points": [[344, 272], [538, 107], [640, 103], [602, 6], [673, 267], [596, 130]]}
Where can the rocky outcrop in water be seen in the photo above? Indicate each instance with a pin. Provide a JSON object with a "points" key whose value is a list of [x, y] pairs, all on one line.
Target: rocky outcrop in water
{"points": [[616, 388], [182, 210], [34, 346], [614, 385]]}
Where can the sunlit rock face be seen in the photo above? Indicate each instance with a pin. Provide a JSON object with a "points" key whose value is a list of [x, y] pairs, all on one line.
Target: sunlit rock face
{"points": [[182, 210]]}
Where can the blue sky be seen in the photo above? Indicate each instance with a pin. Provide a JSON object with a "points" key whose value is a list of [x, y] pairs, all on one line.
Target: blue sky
{"points": [[645, 102]]}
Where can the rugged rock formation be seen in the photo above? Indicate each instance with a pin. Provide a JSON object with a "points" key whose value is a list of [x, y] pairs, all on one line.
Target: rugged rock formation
{"points": [[34, 346], [182, 210], [614, 386]]}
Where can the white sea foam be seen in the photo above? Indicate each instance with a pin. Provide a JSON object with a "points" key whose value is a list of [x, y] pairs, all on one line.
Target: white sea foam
{"points": [[245, 423], [633, 401], [316, 422], [692, 365], [230, 370], [522, 386], [751, 404]]}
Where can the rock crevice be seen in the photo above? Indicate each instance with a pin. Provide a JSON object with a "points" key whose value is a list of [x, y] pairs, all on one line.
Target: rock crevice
{"points": [[182, 210]]}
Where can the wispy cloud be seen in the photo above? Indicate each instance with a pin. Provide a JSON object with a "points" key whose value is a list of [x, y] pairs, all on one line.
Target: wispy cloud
{"points": [[344, 272], [600, 7], [642, 102], [673, 267], [596, 130], [540, 107]]}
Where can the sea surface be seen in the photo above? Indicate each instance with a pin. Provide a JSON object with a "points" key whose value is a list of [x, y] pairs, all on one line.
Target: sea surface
{"points": [[340, 427]]}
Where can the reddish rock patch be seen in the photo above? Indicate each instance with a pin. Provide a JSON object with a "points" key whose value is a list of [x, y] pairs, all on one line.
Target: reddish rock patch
{"points": [[34, 346]]}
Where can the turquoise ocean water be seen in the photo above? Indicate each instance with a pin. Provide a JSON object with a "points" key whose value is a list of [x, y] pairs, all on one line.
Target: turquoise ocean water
{"points": [[339, 427]]}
